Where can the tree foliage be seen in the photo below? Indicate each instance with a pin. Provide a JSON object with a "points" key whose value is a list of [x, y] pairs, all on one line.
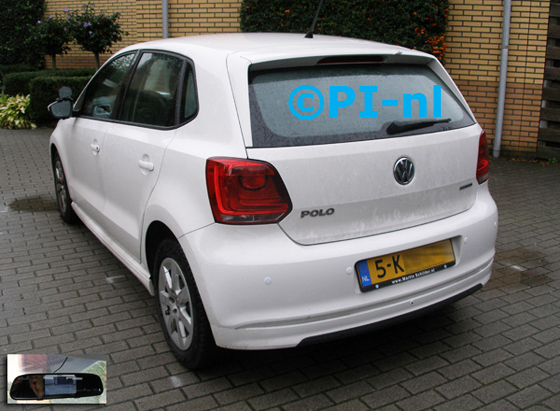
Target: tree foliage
{"points": [[416, 24], [16, 26], [95, 32], [52, 36]]}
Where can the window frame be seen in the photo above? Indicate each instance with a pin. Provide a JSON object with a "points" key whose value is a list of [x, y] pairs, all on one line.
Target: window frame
{"points": [[188, 64], [79, 106], [265, 137]]}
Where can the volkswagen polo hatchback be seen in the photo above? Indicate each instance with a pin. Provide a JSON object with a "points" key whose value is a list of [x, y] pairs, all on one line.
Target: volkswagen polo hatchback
{"points": [[273, 190]]}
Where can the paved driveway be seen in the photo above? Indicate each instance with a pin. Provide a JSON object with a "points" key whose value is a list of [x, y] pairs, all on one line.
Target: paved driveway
{"points": [[62, 292]]}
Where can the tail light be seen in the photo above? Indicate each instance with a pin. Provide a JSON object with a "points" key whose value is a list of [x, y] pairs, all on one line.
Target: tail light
{"points": [[483, 165], [246, 191]]}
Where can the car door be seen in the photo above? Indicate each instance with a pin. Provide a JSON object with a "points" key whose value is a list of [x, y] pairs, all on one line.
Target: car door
{"points": [[134, 146], [84, 146]]}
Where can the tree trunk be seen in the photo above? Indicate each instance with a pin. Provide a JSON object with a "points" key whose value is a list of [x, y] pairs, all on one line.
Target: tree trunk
{"points": [[53, 60], [96, 60]]}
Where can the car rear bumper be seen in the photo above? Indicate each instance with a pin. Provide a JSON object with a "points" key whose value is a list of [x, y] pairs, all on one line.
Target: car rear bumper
{"points": [[262, 291]]}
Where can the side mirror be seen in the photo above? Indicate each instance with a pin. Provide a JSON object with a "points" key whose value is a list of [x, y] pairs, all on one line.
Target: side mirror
{"points": [[49, 386], [63, 106], [61, 109]]}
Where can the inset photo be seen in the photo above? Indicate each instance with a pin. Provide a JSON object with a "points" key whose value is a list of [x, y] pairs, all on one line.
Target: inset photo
{"points": [[57, 379]]}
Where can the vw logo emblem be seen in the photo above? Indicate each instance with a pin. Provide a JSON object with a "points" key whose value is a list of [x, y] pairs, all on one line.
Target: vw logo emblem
{"points": [[404, 171]]}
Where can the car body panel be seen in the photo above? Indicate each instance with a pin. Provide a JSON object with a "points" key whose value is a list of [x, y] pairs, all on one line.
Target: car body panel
{"points": [[295, 291], [132, 158], [83, 144], [355, 181]]}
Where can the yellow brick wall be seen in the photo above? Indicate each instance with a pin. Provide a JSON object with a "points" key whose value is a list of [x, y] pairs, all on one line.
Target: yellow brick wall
{"points": [[203, 17], [473, 60]]}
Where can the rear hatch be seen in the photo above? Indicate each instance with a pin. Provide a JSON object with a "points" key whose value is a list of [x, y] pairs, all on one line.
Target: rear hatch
{"points": [[363, 147]]}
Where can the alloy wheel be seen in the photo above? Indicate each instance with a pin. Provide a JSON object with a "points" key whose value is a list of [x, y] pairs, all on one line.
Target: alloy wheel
{"points": [[175, 303]]}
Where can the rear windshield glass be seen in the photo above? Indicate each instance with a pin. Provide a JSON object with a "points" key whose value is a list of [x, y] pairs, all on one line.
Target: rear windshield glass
{"points": [[335, 104]]}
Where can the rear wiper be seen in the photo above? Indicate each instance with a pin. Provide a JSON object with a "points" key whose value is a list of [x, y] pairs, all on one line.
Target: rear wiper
{"points": [[407, 125]]}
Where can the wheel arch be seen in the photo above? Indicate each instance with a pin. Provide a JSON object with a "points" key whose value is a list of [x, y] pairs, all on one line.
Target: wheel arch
{"points": [[155, 234], [54, 151]]}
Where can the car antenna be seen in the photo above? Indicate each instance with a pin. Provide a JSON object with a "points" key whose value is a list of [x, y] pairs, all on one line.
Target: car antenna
{"points": [[309, 34]]}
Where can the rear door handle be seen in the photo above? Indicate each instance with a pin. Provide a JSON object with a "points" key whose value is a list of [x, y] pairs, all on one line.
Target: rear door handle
{"points": [[146, 165]]}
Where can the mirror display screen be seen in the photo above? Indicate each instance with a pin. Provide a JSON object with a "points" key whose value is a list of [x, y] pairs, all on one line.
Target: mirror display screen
{"points": [[60, 385]]}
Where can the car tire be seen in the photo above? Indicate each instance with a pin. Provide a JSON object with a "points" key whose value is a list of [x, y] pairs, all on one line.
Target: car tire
{"points": [[180, 309], [63, 200]]}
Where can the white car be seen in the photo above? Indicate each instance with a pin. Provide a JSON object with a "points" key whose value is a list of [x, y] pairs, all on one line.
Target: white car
{"points": [[273, 190]]}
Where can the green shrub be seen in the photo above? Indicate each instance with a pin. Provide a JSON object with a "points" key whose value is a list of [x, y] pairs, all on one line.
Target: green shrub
{"points": [[14, 112], [44, 90], [19, 83], [416, 24], [14, 68]]}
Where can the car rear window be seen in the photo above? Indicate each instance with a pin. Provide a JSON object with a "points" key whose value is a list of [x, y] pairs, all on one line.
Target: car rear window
{"points": [[342, 103]]}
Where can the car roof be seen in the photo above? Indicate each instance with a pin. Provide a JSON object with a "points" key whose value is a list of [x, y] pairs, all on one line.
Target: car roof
{"points": [[257, 47]]}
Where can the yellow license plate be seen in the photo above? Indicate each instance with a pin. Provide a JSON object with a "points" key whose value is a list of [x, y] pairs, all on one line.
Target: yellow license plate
{"points": [[404, 266]]}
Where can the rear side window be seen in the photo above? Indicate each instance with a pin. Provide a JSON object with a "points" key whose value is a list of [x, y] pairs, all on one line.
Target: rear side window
{"points": [[335, 104], [152, 94]]}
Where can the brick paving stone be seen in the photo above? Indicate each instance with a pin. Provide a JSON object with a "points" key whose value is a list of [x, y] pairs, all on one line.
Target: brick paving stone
{"points": [[239, 393], [552, 383], [354, 405], [426, 365], [283, 381], [528, 397], [501, 405], [492, 392], [551, 366], [521, 362], [159, 400], [424, 382], [356, 374], [389, 378], [463, 403], [316, 402], [549, 350], [553, 403], [174, 381], [253, 375], [138, 377], [492, 357], [459, 369], [493, 373], [458, 387], [128, 393], [350, 391], [276, 398], [207, 387], [324, 384], [385, 396], [239, 406], [424, 401]]}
